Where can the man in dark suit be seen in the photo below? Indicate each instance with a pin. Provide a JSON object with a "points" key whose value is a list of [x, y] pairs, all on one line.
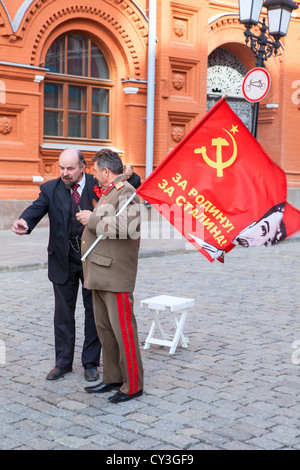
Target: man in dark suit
{"points": [[61, 199], [132, 177]]}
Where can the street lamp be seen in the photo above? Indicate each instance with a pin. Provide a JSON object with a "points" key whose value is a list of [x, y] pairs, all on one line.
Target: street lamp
{"points": [[279, 14], [250, 11]]}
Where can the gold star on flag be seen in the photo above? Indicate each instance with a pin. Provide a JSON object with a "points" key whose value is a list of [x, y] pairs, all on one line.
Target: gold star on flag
{"points": [[234, 129]]}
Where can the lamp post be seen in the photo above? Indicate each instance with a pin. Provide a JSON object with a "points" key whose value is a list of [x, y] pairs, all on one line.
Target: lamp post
{"points": [[279, 15]]}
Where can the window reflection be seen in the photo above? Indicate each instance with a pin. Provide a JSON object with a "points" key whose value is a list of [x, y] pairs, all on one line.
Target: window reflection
{"points": [[53, 95], [98, 63], [55, 60], [78, 56], [80, 52], [77, 97], [99, 127], [53, 116], [100, 103], [76, 100]]}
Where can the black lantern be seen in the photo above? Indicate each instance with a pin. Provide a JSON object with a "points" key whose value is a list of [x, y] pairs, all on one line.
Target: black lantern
{"points": [[279, 15], [250, 11]]}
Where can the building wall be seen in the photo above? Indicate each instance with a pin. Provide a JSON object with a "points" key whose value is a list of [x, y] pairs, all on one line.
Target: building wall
{"points": [[181, 71], [121, 30], [187, 32]]}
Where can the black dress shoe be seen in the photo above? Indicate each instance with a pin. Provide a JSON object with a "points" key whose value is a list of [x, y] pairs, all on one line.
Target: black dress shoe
{"points": [[103, 387], [119, 397], [91, 372], [57, 373]]}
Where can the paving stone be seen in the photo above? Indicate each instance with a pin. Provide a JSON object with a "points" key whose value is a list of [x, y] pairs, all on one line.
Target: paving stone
{"points": [[71, 405], [72, 442], [234, 387]]}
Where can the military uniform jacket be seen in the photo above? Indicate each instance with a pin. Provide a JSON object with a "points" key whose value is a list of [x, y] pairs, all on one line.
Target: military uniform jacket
{"points": [[112, 265]]}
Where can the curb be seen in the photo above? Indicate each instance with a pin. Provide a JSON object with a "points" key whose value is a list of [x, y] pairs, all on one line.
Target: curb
{"points": [[145, 254]]}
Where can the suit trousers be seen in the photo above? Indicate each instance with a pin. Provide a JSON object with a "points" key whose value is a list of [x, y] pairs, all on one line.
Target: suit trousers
{"points": [[117, 330], [65, 297]]}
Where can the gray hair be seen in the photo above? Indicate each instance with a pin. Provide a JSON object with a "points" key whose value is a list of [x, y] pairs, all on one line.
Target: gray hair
{"points": [[106, 158], [81, 158]]}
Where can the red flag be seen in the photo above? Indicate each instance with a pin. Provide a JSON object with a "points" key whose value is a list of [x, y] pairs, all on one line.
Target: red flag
{"points": [[220, 189]]}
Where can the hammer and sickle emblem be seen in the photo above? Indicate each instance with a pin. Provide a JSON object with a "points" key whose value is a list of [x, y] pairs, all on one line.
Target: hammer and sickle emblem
{"points": [[219, 164]]}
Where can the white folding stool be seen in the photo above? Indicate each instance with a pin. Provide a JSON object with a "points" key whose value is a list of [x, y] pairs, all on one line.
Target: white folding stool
{"points": [[177, 307]]}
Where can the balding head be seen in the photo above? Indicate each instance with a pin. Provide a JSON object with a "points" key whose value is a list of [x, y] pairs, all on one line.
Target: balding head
{"points": [[128, 170], [71, 166]]}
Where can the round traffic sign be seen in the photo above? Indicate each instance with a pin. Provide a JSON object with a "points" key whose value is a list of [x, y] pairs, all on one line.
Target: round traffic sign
{"points": [[256, 84]]}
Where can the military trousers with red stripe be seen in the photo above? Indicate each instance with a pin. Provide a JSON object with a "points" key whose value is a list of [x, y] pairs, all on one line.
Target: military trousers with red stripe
{"points": [[117, 331]]}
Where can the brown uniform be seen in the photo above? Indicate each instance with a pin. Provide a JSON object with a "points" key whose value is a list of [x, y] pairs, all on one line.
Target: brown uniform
{"points": [[110, 271]]}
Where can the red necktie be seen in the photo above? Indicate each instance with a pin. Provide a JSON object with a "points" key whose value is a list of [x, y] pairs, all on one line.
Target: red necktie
{"points": [[75, 193]]}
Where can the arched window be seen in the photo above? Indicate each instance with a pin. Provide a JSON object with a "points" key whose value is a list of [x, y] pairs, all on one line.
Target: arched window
{"points": [[77, 90]]}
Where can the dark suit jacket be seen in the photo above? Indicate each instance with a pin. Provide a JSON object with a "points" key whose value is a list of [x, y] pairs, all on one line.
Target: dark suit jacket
{"points": [[55, 200], [134, 180]]}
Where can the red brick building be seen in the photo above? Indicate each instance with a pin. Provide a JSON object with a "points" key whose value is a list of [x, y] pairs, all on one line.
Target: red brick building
{"points": [[75, 74]]}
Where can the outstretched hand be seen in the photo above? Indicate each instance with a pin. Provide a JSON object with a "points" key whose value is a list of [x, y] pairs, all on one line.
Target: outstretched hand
{"points": [[20, 227]]}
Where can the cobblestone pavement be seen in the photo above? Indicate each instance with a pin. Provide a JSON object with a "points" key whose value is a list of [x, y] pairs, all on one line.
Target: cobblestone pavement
{"points": [[237, 386]]}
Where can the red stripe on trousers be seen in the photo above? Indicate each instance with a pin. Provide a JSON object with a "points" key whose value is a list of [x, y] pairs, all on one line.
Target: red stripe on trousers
{"points": [[128, 340], [131, 340]]}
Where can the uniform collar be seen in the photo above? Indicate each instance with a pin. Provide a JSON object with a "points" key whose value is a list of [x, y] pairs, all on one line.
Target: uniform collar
{"points": [[119, 178]]}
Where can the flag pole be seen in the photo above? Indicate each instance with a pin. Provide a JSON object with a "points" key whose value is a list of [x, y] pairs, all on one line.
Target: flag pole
{"points": [[101, 236]]}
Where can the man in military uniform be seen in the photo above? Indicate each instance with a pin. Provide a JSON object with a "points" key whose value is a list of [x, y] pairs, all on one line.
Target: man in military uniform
{"points": [[110, 271]]}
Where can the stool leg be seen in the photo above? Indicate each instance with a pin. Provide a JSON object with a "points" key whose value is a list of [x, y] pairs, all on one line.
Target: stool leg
{"points": [[155, 324], [158, 324], [150, 335], [179, 331], [183, 339]]}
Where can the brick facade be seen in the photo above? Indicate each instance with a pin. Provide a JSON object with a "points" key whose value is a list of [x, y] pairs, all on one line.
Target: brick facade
{"points": [[187, 32]]}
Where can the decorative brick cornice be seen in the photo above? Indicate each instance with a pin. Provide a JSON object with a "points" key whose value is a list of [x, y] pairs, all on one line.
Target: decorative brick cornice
{"points": [[117, 23], [225, 21], [136, 17], [105, 17]]}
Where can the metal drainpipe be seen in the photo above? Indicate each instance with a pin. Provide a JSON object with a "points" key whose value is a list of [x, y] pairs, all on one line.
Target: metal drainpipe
{"points": [[151, 87]]}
